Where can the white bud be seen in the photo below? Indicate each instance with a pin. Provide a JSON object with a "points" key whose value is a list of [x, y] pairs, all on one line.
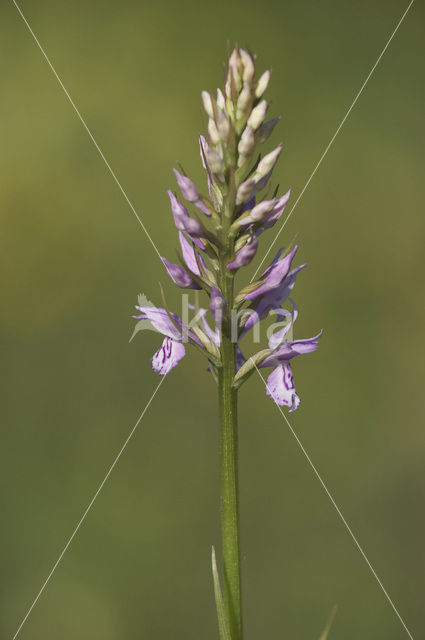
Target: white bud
{"points": [[208, 105], [262, 84], [257, 115], [248, 66], [223, 126], [213, 132], [221, 102], [244, 100], [245, 191], [247, 141], [267, 163], [215, 162], [261, 209]]}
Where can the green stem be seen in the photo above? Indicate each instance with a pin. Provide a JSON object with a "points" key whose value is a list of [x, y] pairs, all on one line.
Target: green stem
{"points": [[229, 469]]}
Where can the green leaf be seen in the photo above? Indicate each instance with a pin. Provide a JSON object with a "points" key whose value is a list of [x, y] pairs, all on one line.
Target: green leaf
{"points": [[223, 624], [327, 628]]}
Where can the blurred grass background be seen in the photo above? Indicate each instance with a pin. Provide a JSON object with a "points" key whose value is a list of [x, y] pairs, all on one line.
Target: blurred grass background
{"points": [[74, 259]]}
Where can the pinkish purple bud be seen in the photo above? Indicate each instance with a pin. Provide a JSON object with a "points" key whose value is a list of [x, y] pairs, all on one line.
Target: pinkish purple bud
{"points": [[187, 188], [244, 255], [179, 276], [182, 219]]}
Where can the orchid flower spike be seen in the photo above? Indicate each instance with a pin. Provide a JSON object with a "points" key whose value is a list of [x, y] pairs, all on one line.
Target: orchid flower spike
{"points": [[219, 228]]}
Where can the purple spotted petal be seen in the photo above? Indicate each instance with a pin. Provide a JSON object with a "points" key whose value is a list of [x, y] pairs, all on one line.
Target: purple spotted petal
{"points": [[179, 276], [168, 356], [281, 387], [217, 305], [244, 255]]}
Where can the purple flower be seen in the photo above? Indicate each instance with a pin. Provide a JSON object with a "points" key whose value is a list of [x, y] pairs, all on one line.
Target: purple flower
{"points": [[171, 326], [280, 383]]}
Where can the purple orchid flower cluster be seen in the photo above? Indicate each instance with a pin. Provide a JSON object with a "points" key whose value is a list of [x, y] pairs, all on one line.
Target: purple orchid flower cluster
{"points": [[221, 235]]}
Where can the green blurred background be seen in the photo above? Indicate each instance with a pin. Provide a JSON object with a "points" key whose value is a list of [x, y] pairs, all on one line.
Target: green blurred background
{"points": [[74, 259]]}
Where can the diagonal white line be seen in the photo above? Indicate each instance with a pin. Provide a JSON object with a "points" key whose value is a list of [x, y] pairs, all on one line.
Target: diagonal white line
{"points": [[102, 155], [87, 509], [332, 139], [347, 526]]}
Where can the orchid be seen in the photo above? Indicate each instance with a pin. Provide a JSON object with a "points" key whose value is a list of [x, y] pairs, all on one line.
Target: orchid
{"points": [[219, 233]]}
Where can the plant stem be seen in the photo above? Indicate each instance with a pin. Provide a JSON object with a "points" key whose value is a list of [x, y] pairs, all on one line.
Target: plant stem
{"points": [[229, 469]]}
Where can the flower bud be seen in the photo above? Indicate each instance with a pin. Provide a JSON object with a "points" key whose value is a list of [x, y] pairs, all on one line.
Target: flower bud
{"points": [[182, 219], [213, 132], [262, 84], [187, 188], [245, 191], [236, 68], [208, 105], [244, 256], [267, 163], [221, 101], [248, 66], [215, 162], [257, 115], [180, 276], [223, 126], [244, 101], [247, 142]]}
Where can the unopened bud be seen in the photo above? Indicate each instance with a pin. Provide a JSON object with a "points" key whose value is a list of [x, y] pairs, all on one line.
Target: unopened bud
{"points": [[244, 256], [235, 64], [223, 126], [221, 102], [208, 105], [245, 191], [188, 189], [215, 162], [257, 115], [247, 141], [244, 101], [267, 163], [248, 66], [213, 132], [262, 84]]}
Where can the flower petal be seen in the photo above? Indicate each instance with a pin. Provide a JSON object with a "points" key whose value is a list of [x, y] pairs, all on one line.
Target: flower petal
{"points": [[161, 321], [281, 388], [168, 356], [189, 255]]}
